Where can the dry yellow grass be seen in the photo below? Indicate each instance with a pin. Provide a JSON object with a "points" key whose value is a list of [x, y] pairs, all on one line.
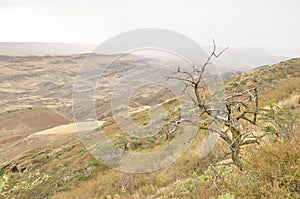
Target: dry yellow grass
{"points": [[71, 128]]}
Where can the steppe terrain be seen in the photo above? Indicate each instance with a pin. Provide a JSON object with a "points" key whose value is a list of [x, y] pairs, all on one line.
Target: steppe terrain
{"points": [[43, 156]]}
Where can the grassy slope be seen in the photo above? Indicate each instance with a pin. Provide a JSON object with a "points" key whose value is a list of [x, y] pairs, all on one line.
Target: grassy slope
{"points": [[74, 173]]}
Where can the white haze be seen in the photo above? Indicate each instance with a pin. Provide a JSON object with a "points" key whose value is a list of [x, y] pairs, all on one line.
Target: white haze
{"points": [[268, 28]]}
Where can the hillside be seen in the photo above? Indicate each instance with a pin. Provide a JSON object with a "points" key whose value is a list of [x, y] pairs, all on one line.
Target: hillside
{"points": [[53, 163]]}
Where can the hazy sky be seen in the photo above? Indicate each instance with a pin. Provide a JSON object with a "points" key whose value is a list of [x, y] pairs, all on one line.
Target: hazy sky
{"points": [[273, 25]]}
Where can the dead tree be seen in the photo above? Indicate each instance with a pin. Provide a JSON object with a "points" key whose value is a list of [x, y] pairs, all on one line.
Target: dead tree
{"points": [[241, 108]]}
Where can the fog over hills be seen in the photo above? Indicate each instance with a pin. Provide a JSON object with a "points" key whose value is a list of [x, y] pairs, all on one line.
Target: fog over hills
{"points": [[234, 58], [246, 59]]}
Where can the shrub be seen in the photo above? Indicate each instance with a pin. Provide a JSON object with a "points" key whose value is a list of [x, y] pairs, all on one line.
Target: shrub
{"points": [[3, 183], [273, 171], [226, 196]]}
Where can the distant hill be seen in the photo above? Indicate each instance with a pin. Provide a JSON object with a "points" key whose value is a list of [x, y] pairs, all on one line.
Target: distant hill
{"points": [[20, 48]]}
